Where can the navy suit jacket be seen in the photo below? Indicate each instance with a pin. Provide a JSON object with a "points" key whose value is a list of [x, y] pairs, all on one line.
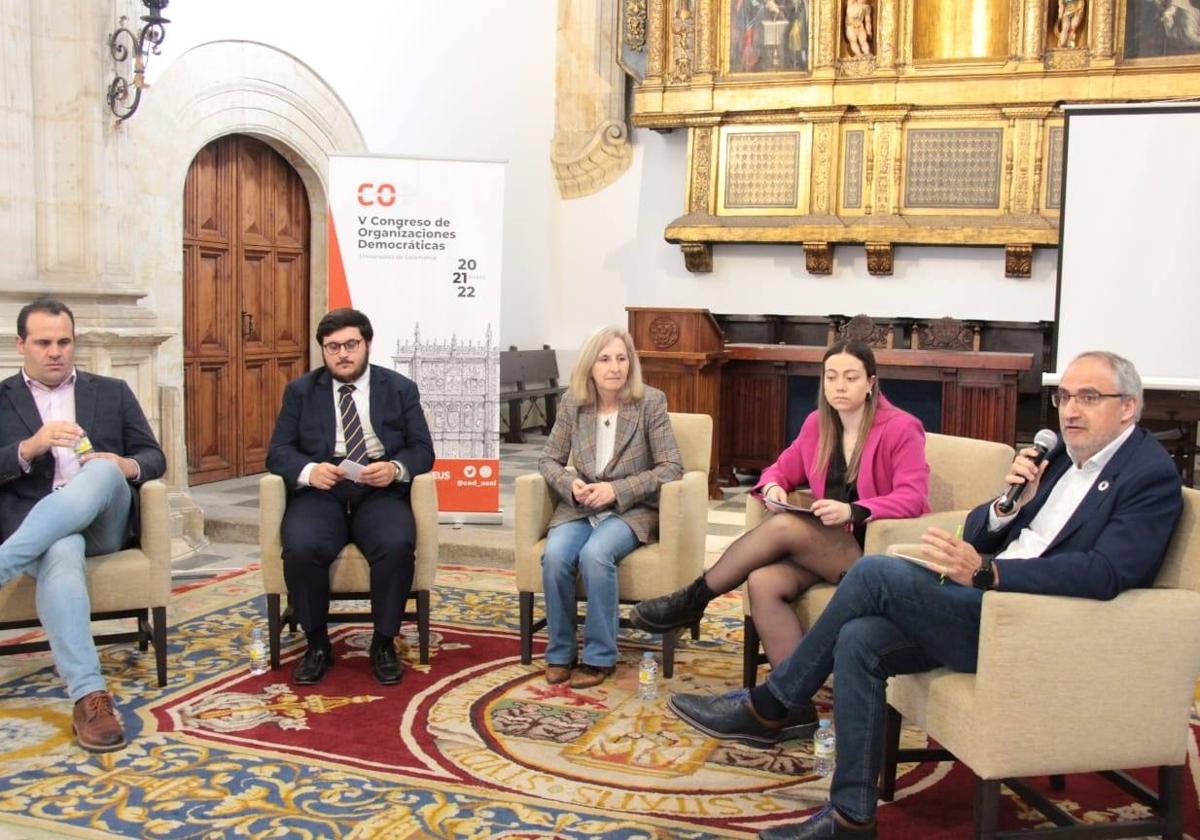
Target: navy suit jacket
{"points": [[1115, 540], [106, 409], [307, 424]]}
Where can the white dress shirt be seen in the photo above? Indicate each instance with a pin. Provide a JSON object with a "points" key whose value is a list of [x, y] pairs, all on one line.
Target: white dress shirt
{"points": [[56, 403], [1060, 505], [362, 402]]}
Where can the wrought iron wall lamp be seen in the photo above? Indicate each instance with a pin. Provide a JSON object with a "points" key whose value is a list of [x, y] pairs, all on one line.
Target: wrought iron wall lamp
{"points": [[124, 93]]}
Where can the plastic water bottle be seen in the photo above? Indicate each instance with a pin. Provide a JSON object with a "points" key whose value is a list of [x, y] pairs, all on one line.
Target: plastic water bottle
{"points": [[258, 653], [648, 677], [824, 748]]}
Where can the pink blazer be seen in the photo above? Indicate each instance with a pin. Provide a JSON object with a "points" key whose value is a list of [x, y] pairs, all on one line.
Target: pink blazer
{"points": [[893, 479]]}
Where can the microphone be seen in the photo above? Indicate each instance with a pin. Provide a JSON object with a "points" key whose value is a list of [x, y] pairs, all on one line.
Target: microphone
{"points": [[1043, 442]]}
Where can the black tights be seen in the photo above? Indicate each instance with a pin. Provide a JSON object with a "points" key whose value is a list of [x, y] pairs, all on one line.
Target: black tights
{"points": [[779, 559]]}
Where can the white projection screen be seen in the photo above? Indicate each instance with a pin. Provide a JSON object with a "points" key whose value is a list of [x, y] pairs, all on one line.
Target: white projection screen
{"points": [[1129, 255]]}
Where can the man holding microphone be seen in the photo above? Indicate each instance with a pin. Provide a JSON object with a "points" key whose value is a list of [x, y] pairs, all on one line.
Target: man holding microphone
{"points": [[1092, 519]]}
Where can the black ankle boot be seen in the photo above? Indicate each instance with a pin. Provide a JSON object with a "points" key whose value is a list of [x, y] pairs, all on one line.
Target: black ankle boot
{"points": [[681, 608]]}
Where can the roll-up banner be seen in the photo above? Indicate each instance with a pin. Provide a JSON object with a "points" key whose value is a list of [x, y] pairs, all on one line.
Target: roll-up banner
{"points": [[416, 245]]}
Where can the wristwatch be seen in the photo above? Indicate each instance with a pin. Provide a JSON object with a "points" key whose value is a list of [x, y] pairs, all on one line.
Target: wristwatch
{"points": [[984, 577], [399, 471]]}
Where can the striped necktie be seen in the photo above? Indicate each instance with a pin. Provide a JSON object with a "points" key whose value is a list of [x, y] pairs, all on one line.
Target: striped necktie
{"points": [[356, 444]]}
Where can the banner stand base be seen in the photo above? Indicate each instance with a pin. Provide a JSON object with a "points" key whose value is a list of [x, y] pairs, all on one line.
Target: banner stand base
{"points": [[458, 518]]}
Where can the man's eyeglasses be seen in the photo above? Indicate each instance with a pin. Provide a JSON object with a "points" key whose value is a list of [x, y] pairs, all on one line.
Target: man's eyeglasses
{"points": [[1087, 399], [335, 347]]}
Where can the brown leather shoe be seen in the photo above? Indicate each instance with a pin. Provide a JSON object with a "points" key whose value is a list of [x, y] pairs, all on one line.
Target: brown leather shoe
{"points": [[557, 674], [589, 676], [96, 725]]}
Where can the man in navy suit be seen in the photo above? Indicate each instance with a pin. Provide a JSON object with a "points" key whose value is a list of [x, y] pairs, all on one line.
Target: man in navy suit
{"points": [[348, 441], [1094, 519], [62, 501]]}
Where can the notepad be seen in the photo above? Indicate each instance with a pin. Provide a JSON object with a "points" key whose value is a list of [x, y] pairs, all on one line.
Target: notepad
{"points": [[788, 506], [353, 470], [921, 561]]}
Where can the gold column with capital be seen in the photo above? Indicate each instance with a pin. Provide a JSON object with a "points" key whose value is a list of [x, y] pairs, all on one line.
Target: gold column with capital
{"points": [[657, 29], [702, 176], [825, 23], [1104, 25], [887, 25], [1033, 31], [823, 195], [706, 39], [884, 162], [1025, 126]]}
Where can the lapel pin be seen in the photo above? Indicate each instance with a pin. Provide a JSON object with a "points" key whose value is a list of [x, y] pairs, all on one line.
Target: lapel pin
{"points": [[1102, 486]]}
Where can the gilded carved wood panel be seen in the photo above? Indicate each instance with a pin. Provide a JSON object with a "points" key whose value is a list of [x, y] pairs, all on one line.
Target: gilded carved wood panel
{"points": [[893, 121]]}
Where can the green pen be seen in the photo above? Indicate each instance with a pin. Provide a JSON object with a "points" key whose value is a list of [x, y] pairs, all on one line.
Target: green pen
{"points": [[957, 536]]}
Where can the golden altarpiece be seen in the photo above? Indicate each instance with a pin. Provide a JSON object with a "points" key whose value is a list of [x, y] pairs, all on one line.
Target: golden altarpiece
{"points": [[885, 122]]}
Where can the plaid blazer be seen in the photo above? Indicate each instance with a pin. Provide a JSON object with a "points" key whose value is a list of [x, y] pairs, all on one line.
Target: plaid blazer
{"points": [[645, 456]]}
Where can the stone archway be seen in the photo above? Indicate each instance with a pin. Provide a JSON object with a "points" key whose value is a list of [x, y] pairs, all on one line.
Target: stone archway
{"points": [[220, 88]]}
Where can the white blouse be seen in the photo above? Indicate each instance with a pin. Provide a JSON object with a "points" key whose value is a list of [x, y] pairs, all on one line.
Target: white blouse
{"points": [[606, 438]]}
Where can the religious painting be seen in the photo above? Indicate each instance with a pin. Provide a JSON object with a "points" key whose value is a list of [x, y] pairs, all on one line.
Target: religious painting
{"points": [[1157, 28], [768, 35]]}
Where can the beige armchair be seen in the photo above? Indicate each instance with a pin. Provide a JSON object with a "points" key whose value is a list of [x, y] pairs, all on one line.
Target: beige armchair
{"points": [[349, 576], [962, 473], [649, 570], [134, 583], [1070, 685]]}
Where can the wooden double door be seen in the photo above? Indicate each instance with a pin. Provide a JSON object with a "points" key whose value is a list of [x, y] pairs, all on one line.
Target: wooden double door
{"points": [[245, 302]]}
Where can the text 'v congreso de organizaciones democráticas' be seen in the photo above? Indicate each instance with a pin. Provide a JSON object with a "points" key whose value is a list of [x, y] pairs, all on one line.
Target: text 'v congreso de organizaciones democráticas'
{"points": [[389, 233]]}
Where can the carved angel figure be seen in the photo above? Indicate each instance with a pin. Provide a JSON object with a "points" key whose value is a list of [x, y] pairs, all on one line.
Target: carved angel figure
{"points": [[858, 27], [1070, 16]]}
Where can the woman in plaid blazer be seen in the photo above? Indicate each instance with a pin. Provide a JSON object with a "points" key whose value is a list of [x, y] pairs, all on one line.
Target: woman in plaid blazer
{"points": [[615, 431]]}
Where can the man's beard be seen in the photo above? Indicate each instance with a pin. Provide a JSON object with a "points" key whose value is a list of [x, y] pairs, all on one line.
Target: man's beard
{"points": [[349, 377]]}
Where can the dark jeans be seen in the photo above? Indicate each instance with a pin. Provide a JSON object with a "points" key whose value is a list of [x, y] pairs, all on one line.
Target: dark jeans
{"points": [[317, 524], [887, 617]]}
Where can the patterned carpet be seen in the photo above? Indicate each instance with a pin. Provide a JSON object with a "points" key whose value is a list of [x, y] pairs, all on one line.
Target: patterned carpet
{"points": [[475, 745]]}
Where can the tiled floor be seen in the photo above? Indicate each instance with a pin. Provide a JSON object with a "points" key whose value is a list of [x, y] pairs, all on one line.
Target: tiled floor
{"points": [[231, 521]]}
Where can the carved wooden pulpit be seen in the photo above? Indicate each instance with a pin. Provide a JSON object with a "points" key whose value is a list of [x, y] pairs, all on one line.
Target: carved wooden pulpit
{"points": [[681, 352]]}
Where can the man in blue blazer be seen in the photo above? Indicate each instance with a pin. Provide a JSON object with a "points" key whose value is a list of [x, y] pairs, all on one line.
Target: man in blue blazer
{"points": [[1093, 520], [73, 446], [348, 441]]}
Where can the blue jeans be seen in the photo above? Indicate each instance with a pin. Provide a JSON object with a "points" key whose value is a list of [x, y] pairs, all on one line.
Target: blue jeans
{"points": [[887, 617], [88, 516], [576, 548]]}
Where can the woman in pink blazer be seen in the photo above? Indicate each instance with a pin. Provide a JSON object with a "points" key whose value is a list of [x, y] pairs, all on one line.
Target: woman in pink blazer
{"points": [[861, 457]]}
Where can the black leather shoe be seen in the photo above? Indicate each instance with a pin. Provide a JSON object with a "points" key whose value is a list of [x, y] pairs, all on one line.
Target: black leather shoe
{"points": [[311, 669], [385, 664], [681, 608], [820, 826], [801, 722], [727, 717]]}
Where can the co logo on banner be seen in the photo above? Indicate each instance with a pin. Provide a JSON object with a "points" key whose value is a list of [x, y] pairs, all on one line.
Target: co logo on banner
{"points": [[469, 471], [382, 194]]}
